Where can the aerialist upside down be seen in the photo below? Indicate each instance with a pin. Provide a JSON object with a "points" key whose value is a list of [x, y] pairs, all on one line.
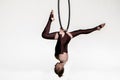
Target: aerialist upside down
{"points": [[63, 38]]}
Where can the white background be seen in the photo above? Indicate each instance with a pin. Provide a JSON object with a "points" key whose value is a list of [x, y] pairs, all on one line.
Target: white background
{"points": [[25, 55]]}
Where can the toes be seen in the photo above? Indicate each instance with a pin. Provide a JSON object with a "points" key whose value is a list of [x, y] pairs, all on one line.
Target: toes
{"points": [[52, 11], [102, 25]]}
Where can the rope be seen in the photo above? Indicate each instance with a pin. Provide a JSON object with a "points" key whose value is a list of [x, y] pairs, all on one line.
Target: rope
{"points": [[60, 17]]}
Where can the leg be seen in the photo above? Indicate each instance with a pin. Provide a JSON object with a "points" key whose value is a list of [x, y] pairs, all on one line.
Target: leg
{"points": [[45, 33], [86, 31]]}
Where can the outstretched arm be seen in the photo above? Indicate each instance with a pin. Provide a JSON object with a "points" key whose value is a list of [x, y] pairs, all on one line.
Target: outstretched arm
{"points": [[86, 31], [45, 33]]}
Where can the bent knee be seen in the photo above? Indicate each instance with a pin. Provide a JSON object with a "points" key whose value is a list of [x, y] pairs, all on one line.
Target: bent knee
{"points": [[44, 35]]}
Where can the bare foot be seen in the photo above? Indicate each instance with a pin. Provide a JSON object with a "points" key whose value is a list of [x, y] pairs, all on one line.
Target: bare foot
{"points": [[100, 26], [52, 15]]}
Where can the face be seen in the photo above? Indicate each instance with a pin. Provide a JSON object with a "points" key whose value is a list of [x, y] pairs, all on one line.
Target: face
{"points": [[59, 69], [58, 66]]}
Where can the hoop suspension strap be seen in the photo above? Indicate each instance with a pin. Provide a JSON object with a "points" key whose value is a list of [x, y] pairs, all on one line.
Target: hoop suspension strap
{"points": [[60, 17]]}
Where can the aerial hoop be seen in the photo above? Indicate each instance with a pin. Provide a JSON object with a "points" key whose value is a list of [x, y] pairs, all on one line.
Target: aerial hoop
{"points": [[60, 17]]}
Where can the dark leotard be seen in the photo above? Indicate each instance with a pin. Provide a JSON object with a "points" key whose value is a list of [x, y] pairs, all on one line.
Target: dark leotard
{"points": [[62, 44]]}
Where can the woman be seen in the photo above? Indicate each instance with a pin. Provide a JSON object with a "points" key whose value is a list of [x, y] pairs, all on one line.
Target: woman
{"points": [[63, 38]]}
